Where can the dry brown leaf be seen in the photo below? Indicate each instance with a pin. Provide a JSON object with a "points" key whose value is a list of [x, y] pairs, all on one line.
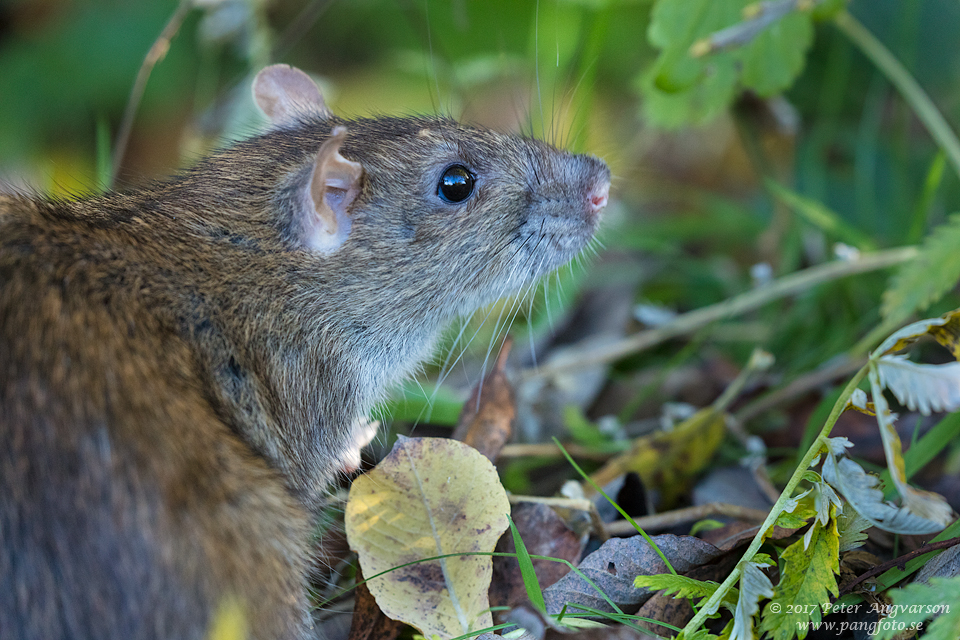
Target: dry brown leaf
{"points": [[369, 623], [677, 611], [544, 533], [613, 567], [486, 423]]}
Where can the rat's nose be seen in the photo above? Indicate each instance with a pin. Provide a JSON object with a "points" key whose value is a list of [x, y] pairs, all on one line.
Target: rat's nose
{"points": [[597, 198]]}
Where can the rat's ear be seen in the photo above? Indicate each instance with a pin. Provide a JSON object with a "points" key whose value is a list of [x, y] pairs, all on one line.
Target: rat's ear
{"points": [[334, 185], [282, 92]]}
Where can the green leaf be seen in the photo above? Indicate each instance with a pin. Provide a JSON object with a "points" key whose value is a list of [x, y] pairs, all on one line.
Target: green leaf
{"points": [[678, 586], [819, 215], [917, 603], [794, 521], [921, 282], [776, 56], [807, 580], [798, 510], [682, 89], [851, 526], [527, 572], [701, 102]]}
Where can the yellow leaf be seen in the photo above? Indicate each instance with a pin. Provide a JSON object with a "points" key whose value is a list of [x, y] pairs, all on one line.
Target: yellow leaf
{"points": [[430, 497], [948, 334], [667, 460]]}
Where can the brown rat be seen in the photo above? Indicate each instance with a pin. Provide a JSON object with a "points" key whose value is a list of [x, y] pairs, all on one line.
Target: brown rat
{"points": [[184, 367]]}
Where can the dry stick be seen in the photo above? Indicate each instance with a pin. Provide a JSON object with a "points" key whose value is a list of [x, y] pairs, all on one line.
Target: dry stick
{"points": [[757, 18], [676, 517], [900, 562], [800, 386], [524, 450], [157, 51], [694, 320]]}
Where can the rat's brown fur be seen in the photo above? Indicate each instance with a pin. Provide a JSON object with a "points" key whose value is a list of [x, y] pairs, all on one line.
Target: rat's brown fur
{"points": [[179, 378]]}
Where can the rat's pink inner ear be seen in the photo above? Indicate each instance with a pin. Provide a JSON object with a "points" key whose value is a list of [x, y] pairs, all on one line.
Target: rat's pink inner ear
{"points": [[283, 92], [334, 185]]}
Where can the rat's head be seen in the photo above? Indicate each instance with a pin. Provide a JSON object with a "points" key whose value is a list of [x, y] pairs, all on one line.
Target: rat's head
{"points": [[443, 216]]}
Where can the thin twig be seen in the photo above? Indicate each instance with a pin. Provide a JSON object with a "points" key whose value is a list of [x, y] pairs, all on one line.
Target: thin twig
{"points": [[900, 561], [757, 17], [549, 450], [800, 386], [156, 53], [689, 322], [676, 517]]}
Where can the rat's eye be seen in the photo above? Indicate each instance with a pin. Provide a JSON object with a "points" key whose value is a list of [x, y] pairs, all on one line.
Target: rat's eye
{"points": [[456, 184]]}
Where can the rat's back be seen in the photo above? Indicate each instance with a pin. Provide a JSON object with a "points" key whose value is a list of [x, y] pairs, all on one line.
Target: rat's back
{"points": [[130, 510]]}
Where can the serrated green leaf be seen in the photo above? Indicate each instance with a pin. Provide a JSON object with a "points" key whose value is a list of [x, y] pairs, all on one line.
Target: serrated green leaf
{"points": [[851, 526], [807, 580], [917, 603], [699, 634], [763, 560], [678, 586], [794, 521], [797, 511], [923, 281], [825, 498]]}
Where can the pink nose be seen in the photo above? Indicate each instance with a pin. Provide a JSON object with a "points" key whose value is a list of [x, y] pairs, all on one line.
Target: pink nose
{"points": [[597, 198]]}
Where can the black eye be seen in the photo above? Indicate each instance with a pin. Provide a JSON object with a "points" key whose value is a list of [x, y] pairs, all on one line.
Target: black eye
{"points": [[456, 184]]}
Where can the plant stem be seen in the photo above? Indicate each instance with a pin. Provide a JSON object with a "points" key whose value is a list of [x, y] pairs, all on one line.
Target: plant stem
{"points": [[156, 53], [714, 601], [753, 299], [905, 83]]}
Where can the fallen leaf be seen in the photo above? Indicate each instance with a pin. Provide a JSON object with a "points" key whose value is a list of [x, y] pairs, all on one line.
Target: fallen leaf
{"points": [[545, 534], [369, 623], [487, 417], [944, 565], [667, 460], [677, 611], [430, 497], [613, 567]]}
